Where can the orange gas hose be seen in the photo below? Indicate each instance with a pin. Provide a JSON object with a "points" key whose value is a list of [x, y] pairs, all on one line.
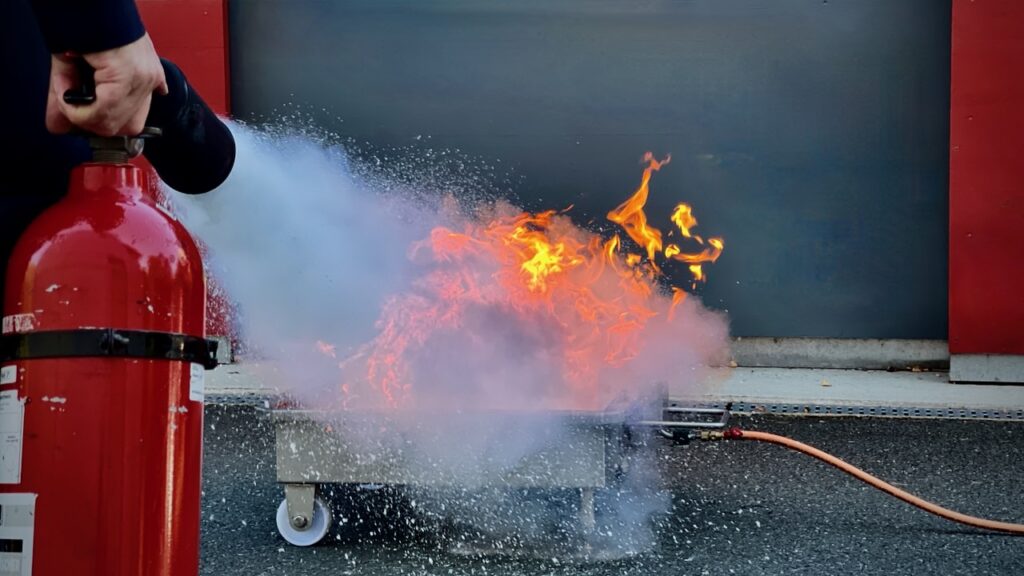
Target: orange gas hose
{"points": [[738, 434]]}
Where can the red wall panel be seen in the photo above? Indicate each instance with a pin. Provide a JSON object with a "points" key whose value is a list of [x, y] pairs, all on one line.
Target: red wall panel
{"points": [[986, 178], [193, 34]]}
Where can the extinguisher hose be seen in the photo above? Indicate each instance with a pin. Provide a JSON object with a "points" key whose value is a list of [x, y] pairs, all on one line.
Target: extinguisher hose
{"points": [[974, 521]]}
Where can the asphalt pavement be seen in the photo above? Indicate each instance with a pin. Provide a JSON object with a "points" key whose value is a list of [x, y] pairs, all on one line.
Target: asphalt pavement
{"points": [[724, 508]]}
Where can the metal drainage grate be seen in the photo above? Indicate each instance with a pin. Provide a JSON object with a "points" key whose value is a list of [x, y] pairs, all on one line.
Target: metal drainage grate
{"points": [[258, 400], [879, 411], [264, 400]]}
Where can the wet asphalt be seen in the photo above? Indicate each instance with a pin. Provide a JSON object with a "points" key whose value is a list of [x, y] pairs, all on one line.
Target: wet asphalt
{"points": [[730, 508]]}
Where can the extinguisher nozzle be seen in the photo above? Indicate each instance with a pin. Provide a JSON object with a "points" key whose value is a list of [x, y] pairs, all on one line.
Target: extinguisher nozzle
{"points": [[195, 151]]}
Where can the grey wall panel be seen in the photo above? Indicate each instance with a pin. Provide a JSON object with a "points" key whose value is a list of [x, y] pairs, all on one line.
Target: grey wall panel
{"points": [[811, 134]]}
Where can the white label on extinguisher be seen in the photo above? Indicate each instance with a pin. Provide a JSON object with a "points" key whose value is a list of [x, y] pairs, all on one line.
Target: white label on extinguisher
{"points": [[17, 528], [196, 383], [18, 323], [12, 427], [8, 374]]}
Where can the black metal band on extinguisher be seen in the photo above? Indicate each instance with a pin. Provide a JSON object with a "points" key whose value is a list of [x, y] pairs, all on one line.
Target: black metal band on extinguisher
{"points": [[109, 343]]}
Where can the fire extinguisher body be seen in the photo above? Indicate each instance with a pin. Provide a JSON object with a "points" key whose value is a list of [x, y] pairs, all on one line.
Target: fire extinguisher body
{"points": [[102, 396]]}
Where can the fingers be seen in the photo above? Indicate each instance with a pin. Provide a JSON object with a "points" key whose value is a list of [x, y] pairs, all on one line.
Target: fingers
{"points": [[137, 122], [108, 115], [125, 79], [63, 75], [162, 88], [56, 121]]}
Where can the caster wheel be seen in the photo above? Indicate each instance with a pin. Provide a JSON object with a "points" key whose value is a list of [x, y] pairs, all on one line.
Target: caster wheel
{"points": [[314, 530]]}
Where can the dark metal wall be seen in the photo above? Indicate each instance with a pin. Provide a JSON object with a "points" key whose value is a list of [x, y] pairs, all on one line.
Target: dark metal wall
{"points": [[811, 134]]}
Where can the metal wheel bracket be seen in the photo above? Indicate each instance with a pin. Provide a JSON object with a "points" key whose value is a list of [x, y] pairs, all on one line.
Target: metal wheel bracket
{"points": [[588, 522], [299, 499]]}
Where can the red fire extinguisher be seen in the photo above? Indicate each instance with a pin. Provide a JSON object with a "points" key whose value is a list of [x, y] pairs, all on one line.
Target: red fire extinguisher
{"points": [[101, 369]]}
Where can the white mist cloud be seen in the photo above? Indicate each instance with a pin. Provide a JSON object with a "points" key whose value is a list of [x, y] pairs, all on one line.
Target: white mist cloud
{"points": [[311, 252], [305, 250]]}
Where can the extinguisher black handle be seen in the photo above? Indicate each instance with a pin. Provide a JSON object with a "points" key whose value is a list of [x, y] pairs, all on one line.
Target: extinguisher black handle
{"points": [[85, 93]]}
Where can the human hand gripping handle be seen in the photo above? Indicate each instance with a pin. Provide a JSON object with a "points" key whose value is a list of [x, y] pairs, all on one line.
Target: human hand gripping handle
{"points": [[84, 93], [124, 80], [195, 151]]}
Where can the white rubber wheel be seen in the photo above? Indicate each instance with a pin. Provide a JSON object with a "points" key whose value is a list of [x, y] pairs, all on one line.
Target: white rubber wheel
{"points": [[318, 527]]}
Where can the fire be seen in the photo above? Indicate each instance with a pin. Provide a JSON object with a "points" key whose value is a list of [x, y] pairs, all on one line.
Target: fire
{"points": [[541, 258], [678, 295], [534, 285], [684, 219], [630, 214], [326, 349]]}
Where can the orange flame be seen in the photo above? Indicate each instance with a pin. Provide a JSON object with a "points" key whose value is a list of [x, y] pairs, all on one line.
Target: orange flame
{"points": [[540, 258], [591, 300], [326, 349], [678, 295], [684, 219], [630, 214]]}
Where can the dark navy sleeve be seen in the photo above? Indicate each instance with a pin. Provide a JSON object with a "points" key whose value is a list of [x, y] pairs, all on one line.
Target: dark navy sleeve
{"points": [[86, 26]]}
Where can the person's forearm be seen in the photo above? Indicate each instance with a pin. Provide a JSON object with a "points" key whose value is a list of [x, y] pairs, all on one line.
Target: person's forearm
{"points": [[87, 26]]}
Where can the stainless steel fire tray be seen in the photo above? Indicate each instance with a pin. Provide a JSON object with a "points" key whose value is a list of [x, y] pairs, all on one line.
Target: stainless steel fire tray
{"points": [[581, 451], [484, 449]]}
